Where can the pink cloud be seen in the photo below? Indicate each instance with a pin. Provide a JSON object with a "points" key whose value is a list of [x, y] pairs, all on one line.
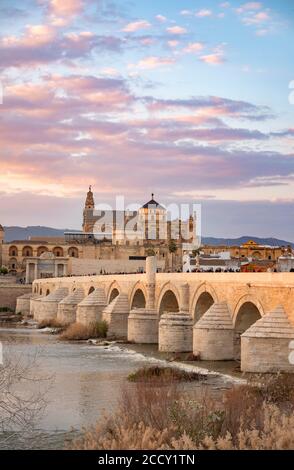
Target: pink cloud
{"points": [[61, 12], [42, 44], [173, 43], [161, 18], [249, 6], [203, 13], [136, 26], [257, 18], [34, 36], [213, 59], [194, 47], [147, 41], [84, 123], [176, 30], [154, 62]]}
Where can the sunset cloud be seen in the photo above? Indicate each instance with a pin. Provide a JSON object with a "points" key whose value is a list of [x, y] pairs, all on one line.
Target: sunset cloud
{"points": [[257, 18], [249, 6], [203, 13], [61, 12], [161, 18], [176, 30], [97, 90], [136, 26], [41, 44], [194, 47], [154, 62]]}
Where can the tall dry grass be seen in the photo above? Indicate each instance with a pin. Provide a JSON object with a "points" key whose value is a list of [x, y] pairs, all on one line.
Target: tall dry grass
{"points": [[52, 323], [77, 331], [151, 416]]}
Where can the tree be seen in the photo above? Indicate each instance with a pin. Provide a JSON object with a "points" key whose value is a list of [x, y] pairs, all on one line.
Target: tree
{"points": [[172, 248], [3, 270], [150, 252], [196, 252], [22, 397]]}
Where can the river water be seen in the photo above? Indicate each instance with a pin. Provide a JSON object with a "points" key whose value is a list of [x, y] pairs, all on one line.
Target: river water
{"points": [[84, 383]]}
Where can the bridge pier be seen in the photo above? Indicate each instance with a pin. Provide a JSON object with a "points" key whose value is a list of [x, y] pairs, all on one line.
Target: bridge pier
{"points": [[213, 335], [34, 305], [67, 308], [265, 346], [143, 326], [143, 322], [176, 328], [23, 303], [116, 315], [90, 310], [47, 307]]}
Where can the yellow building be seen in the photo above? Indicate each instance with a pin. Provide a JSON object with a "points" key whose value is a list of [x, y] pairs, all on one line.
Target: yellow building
{"points": [[250, 249]]}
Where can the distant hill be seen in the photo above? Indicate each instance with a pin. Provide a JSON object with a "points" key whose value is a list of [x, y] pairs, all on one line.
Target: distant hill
{"points": [[239, 241], [24, 233]]}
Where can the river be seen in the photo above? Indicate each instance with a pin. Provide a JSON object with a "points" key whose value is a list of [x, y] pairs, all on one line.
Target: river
{"points": [[85, 382]]}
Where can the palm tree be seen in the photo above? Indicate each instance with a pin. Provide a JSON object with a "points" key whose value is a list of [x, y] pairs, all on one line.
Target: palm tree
{"points": [[172, 248]]}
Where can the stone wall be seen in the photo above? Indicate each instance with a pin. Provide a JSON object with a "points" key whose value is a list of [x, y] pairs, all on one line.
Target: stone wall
{"points": [[9, 294], [80, 267]]}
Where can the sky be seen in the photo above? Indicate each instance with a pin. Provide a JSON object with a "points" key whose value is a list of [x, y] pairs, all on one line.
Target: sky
{"points": [[190, 99]]}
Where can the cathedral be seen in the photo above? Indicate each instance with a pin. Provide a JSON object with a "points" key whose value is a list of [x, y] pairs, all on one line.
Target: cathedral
{"points": [[147, 226], [108, 241]]}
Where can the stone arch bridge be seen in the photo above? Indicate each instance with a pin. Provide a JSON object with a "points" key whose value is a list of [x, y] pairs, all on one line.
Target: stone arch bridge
{"points": [[211, 314]]}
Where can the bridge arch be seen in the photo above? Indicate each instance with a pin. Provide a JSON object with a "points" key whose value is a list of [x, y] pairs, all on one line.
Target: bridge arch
{"points": [[247, 299], [138, 296], [247, 311], [203, 298], [168, 299], [113, 291]]}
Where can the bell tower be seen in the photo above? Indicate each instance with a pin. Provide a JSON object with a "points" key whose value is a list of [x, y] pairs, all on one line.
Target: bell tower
{"points": [[88, 220]]}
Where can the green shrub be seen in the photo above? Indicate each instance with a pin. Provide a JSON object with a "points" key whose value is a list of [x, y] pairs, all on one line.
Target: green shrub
{"points": [[5, 310], [3, 270]]}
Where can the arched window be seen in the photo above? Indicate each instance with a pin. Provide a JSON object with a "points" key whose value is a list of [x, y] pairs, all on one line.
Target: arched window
{"points": [[41, 250], [73, 252], [27, 251], [13, 251], [58, 251]]}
